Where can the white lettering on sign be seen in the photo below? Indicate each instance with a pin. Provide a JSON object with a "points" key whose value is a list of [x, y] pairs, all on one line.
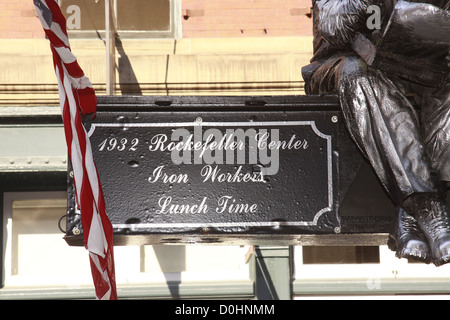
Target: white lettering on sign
{"points": [[167, 207], [235, 146], [251, 152], [159, 175]]}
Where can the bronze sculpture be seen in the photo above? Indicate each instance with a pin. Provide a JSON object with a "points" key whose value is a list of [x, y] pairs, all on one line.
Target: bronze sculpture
{"points": [[394, 88]]}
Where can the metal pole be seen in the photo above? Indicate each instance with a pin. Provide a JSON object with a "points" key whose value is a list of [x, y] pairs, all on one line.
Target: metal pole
{"points": [[110, 47]]}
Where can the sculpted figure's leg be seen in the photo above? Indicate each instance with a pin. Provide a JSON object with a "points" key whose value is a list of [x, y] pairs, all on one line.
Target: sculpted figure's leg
{"points": [[358, 88], [385, 125], [436, 129], [430, 209], [408, 240], [432, 215]]}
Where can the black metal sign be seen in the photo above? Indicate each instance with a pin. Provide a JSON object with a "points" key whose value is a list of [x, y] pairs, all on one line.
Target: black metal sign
{"points": [[215, 168]]}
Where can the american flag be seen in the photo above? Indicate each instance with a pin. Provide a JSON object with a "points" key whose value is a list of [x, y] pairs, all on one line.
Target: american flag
{"points": [[76, 96]]}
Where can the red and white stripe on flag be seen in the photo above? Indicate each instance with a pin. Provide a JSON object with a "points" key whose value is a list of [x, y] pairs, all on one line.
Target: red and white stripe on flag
{"points": [[77, 97]]}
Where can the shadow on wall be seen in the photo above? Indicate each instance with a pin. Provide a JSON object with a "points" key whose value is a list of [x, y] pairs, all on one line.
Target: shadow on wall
{"points": [[172, 261], [128, 82]]}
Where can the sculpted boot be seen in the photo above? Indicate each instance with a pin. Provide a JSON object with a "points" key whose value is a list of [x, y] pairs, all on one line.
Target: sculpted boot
{"points": [[432, 215], [407, 240]]}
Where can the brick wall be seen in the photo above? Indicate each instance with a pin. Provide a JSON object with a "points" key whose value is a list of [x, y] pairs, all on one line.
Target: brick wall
{"points": [[245, 18], [201, 18], [18, 20]]}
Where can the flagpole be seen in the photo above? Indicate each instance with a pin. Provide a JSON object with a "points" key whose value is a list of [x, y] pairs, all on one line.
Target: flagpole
{"points": [[110, 29]]}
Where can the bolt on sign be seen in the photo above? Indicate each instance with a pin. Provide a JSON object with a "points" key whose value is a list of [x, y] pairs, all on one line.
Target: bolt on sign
{"points": [[222, 165]]}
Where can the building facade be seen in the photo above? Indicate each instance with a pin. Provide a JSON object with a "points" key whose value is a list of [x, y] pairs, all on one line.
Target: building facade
{"points": [[164, 48]]}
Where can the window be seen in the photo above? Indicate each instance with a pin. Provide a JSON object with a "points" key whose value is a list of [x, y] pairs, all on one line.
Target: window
{"points": [[133, 18], [340, 255], [36, 253], [374, 271], [37, 257]]}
